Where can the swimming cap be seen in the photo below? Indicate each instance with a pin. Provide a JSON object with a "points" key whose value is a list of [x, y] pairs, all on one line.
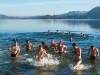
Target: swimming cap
{"points": [[60, 41]]}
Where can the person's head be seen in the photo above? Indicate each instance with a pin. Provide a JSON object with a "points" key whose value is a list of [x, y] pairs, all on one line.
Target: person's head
{"points": [[69, 32], [92, 47], [57, 30], [15, 43], [83, 35], [27, 41], [43, 43], [52, 41], [74, 45], [48, 30], [60, 41], [14, 40], [40, 46]]}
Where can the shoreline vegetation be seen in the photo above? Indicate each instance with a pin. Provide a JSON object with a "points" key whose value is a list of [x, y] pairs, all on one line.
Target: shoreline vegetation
{"points": [[92, 14]]}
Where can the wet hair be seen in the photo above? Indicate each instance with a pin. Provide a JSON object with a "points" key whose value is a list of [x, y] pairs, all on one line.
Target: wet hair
{"points": [[74, 44], [43, 43], [40, 46], [92, 47], [14, 39], [59, 43], [27, 40], [15, 43]]}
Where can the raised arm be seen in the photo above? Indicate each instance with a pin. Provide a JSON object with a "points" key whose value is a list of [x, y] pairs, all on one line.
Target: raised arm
{"points": [[78, 52], [31, 44], [9, 49], [46, 55], [97, 52], [36, 57], [18, 51], [89, 51], [23, 45], [65, 47]]}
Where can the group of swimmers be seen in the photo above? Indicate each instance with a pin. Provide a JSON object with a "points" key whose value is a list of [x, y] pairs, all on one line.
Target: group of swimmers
{"points": [[41, 51]]}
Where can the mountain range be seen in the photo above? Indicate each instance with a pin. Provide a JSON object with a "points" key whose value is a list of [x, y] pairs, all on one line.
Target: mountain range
{"points": [[92, 14]]}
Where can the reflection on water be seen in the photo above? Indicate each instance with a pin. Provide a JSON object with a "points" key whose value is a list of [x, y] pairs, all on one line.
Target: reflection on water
{"points": [[42, 25], [77, 72]]}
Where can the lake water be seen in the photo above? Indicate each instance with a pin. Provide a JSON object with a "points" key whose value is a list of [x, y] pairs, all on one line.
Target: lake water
{"points": [[59, 64]]}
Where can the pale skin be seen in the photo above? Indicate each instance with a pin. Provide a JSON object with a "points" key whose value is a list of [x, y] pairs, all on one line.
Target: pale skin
{"points": [[71, 39], [28, 46], [93, 52], [14, 49], [61, 48], [40, 54], [77, 56], [53, 45], [44, 46]]}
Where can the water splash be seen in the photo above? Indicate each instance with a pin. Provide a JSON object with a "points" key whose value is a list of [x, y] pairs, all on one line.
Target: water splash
{"points": [[80, 67], [44, 61], [62, 52]]}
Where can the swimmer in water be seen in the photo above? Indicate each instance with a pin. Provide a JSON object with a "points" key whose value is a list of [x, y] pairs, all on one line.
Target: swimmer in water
{"points": [[62, 32], [14, 49], [57, 31], [69, 32], [40, 53], [48, 31], [93, 52], [61, 48], [53, 45], [77, 55], [44, 45], [28, 45], [81, 34], [71, 39]]}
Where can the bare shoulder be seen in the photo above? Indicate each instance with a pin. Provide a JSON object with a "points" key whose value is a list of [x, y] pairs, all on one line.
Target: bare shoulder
{"points": [[96, 49], [18, 48], [44, 50], [79, 49], [30, 43]]}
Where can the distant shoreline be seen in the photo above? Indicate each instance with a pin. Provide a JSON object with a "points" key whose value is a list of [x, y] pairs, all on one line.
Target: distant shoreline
{"points": [[92, 14]]}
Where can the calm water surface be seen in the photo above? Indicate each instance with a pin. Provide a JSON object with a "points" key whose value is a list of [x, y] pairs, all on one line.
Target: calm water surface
{"points": [[59, 64]]}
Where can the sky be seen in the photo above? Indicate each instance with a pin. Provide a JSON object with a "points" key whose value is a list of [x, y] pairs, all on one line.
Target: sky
{"points": [[44, 7]]}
